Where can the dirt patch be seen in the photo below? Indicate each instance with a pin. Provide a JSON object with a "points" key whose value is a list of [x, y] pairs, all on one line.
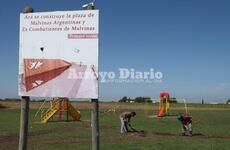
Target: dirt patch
{"points": [[1, 106], [14, 138], [143, 135], [65, 140], [9, 138], [57, 130], [161, 134], [168, 134]]}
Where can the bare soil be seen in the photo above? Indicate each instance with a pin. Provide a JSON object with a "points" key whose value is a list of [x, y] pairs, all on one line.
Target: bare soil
{"points": [[13, 138]]}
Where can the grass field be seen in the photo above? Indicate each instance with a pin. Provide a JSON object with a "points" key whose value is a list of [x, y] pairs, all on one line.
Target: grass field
{"points": [[211, 129]]}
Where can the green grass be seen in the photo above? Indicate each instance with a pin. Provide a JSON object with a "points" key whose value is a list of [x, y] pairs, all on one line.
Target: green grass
{"points": [[214, 125]]}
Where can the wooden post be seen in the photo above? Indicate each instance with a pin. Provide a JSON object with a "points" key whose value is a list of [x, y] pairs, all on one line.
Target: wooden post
{"points": [[67, 109], [95, 110], [24, 110], [60, 110], [24, 122], [52, 107], [95, 124]]}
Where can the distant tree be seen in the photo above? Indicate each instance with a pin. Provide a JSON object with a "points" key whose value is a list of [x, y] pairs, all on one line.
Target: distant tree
{"points": [[202, 101], [39, 100], [12, 99], [124, 99], [228, 101], [142, 100], [1, 106], [148, 101], [173, 100]]}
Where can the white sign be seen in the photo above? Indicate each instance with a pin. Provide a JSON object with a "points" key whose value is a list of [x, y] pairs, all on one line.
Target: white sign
{"points": [[58, 54]]}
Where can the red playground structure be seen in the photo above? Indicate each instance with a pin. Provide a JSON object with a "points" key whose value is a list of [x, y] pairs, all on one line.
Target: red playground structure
{"points": [[164, 105]]}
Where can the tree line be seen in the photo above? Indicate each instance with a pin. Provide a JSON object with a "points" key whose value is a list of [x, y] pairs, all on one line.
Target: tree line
{"points": [[136, 100]]}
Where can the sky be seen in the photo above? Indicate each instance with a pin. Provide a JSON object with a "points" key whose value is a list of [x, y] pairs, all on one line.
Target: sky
{"points": [[187, 40]]}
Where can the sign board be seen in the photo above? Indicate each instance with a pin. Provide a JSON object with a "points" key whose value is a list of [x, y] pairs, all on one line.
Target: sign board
{"points": [[58, 54]]}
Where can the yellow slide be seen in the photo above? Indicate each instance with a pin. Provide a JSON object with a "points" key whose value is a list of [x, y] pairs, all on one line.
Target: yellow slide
{"points": [[60, 105], [73, 113]]}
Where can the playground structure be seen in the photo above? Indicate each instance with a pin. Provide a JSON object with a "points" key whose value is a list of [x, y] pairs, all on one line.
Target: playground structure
{"points": [[59, 106], [164, 104], [109, 110]]}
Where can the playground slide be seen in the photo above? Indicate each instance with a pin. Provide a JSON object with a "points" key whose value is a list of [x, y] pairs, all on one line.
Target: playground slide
{"points": [[161, 112], [45, 118], [73, 113], [52, 111]]}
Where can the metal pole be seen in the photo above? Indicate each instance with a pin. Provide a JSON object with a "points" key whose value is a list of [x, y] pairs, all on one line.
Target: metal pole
{"points": [[24, 110], [60, 110], [24, 122], [67, 109], [95, 110], [95, 124], [186, 108]]}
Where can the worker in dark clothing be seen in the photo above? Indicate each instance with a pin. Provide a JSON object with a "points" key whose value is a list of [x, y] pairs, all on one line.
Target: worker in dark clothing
{"points": [[125, 121], [186, 121]]}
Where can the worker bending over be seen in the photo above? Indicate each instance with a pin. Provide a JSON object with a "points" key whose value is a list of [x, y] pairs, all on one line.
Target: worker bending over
{"points": [[186, 121], [125, 121]]}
